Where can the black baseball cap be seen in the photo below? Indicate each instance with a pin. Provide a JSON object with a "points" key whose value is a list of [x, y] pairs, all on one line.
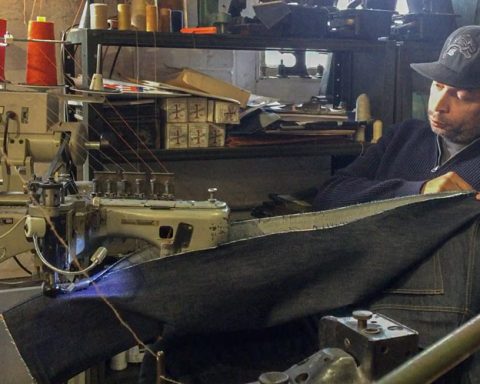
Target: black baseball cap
{"points": [[459, 61]]}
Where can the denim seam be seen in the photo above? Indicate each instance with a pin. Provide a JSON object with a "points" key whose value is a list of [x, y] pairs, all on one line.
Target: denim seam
{"points": [[470, 266], [438, 291], [438, 265], [437, 276], [461, 311]]}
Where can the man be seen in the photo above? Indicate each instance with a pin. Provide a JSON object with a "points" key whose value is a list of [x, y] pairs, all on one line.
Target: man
{"points": [[417, 157]]}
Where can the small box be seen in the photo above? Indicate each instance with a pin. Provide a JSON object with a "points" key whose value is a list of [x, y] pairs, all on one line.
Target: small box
{"points": [[176, 110], [197, 109], [176, 136], [216, 135], [198, 135], [223, 112]]}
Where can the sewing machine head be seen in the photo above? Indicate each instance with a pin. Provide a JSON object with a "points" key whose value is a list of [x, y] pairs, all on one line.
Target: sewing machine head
{"points": [[62, 221]]}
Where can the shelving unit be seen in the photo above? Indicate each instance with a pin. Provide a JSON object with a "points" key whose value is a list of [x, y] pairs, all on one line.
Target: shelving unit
{"points": [[359, 66]]}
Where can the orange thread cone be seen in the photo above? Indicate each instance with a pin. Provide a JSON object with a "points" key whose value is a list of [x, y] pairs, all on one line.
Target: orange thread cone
{"points": [[41, 61], [3, 30]]}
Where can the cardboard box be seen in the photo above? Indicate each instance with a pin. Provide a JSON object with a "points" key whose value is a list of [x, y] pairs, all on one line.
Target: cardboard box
{"points": [[176, 109], [197, 109], [216, 135], [189, 78], [226, 113], [198, 135], [176, 136]]}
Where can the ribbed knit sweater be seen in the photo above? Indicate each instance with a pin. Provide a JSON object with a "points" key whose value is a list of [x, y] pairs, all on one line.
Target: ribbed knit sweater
{"points": [[398, 165]]}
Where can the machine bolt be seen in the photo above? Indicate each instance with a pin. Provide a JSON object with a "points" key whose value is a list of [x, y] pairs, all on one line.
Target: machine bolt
{"points": [[212, 191], [274, 378], [362, 317]]}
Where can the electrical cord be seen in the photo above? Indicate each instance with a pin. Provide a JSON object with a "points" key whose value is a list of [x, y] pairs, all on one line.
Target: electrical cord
{"points": [[96, 259], [9, 116]]}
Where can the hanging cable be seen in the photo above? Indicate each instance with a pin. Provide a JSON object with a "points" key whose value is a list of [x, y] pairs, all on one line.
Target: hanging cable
{"points": [[114, 62], [96, 259]]}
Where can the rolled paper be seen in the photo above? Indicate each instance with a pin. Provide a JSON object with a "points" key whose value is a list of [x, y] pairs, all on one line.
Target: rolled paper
{"points": [[124, 16], [138, 18], [98, 16], [152, 18], [41, 60], [3, 30]]}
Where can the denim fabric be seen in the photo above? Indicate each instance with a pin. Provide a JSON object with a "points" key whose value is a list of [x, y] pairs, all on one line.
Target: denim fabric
{"points": [[232, 357], [264, 282], [440, 294]]}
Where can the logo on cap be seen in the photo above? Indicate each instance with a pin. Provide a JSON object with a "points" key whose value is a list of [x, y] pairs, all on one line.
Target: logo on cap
{"points": [[464, 44]]}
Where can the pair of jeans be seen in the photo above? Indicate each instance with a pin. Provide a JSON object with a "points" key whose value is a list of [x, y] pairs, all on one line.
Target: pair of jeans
{"points": [[244, 285]]}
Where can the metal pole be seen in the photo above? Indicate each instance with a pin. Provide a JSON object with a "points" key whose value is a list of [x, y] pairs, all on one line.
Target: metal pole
{"points": [[439, 358]]}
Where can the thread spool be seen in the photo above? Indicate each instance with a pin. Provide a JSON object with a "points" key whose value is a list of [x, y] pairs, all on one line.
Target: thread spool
{"points": [[377, 130], [176, 20], [98, 16], [362, 108], [164, 20], [151, 18], [362, 113], [124, 16], [35, 226], [138, 19], [41, 60], [3, 30]]}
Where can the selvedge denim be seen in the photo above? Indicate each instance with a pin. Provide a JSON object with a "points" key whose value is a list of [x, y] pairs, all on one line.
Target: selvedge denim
{"points": [[440, 294], [384, 261]]}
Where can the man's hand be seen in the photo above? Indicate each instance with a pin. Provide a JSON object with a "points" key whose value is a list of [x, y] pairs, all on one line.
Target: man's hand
{"points": [[447, 182]]}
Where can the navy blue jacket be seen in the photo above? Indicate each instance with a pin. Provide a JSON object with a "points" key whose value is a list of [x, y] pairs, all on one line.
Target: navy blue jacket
{"points": [[398, 165]]}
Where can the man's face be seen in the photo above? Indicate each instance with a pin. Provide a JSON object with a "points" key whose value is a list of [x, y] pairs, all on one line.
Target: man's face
{"points": [[454, 113]]}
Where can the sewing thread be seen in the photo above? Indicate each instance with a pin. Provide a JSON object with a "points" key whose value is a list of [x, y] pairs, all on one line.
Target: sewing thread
{"points": [[41, 59]]}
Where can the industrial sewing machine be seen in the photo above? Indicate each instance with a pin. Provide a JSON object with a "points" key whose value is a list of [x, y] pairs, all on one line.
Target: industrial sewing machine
{"points": [[62, 220]]}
